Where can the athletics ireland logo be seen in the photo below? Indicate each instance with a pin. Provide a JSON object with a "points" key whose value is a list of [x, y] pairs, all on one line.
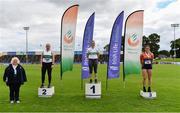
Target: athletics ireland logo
{"points": [[133, 40], [68, 38]]}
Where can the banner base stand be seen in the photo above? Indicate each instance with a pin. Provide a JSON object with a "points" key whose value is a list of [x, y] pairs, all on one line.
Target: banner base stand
{"points": [[93, 90], [148, 95], [46, 92]]}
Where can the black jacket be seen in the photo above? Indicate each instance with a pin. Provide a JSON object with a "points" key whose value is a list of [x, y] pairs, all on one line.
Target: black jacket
{"points": [[9, 75]]}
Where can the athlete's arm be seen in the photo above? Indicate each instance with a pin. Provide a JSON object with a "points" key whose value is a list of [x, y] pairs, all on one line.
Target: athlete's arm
{"points": [[41, 60], [141, 59], [98, 54], [88, 53], [53, 58], [152, 56]]}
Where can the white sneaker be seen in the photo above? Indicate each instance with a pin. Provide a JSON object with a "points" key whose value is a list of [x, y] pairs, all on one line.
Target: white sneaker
{"points": [[12, 102], [18, 102]]}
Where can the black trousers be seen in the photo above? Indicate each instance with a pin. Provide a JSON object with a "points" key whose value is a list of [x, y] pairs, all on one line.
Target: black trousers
{"points": [[14, 91], [46, 67], [93, 65]]}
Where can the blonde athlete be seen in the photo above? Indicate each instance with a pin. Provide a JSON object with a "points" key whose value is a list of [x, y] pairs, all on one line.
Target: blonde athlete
{"points": [[146, 59]]}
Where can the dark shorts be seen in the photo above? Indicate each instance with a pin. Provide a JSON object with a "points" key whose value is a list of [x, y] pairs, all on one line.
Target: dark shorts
{"points": [[149, 66], [93, 65]]}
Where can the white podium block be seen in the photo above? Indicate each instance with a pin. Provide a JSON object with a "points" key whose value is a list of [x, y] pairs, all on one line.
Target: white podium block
{"points": [[148, 95], [93, 90], [46, 92]]}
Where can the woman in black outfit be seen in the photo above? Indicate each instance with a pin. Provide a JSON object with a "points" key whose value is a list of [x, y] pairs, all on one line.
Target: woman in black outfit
{"points": [[14, 76]]}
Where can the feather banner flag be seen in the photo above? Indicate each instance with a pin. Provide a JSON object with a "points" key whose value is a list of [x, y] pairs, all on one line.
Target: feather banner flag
{"points": [[68, 31]]}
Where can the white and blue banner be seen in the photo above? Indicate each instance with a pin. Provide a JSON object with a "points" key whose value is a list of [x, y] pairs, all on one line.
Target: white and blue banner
{"points": [[115, 48], [87, 39]]}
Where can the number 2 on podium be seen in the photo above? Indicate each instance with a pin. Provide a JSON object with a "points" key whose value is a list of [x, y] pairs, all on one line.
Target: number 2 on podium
{"points": [[44, 92], [93, 88]]}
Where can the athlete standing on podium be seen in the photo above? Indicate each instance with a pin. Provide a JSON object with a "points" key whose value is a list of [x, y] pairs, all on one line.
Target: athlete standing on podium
{"points": [[146, 59], [47, 61], [93, 55]]}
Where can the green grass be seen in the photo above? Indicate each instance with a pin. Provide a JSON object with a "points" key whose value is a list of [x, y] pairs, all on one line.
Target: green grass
{"points": [[69, 96], [168, 60]]}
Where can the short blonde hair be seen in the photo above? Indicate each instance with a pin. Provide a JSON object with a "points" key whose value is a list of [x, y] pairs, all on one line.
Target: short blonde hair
{"points": [[15, 58]]}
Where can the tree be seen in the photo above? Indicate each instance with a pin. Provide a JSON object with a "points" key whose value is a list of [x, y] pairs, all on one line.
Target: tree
{"points": [[177, 47], [152, 40], [164, 52]]}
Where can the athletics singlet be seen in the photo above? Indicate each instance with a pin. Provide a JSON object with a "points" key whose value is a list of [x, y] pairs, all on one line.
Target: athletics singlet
{"points": [[47, 56], [146, 60], [93, 53]]}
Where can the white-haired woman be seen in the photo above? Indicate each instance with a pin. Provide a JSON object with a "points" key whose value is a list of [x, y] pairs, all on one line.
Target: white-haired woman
{"points": [[47, 61], [14, 76]]}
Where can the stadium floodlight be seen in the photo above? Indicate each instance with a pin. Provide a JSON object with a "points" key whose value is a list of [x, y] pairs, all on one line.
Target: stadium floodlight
{"points": [[26, 29], [174, 27]]}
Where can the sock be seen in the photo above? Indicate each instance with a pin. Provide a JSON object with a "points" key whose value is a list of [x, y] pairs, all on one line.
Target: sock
{"points": [[144, 89], [149, 89]]}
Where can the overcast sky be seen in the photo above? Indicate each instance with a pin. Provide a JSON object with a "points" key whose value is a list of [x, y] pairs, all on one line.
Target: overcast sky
{"points": [[44, 18]]}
